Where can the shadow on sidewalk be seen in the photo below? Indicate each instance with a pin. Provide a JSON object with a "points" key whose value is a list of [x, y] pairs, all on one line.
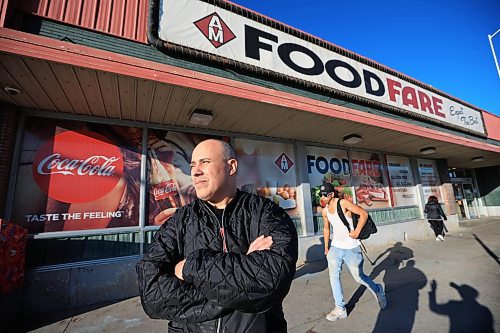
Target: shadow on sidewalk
{"points": [[487, 249], [404, 281], [404, 285], [27, 324], [310, 266], [466, 315]]}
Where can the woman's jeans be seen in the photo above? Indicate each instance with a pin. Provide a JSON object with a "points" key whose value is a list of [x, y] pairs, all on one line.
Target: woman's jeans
{"points": [[353, 258]]}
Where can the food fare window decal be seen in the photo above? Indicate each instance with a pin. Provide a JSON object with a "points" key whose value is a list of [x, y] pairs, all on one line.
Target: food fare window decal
{"points": [[370, 189], [329, 167]]}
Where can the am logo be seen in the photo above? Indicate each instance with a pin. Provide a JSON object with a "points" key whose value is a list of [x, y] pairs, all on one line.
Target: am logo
{"points": [[284, 163], [215, 30]]}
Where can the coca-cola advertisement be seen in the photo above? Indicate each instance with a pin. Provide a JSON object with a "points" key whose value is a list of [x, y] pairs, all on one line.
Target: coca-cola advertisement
{"points": [[370, 189], [170, 184], [77, 176]]}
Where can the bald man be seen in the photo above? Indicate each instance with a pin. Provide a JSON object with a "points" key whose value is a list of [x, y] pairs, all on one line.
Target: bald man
{"points": [[223, 263]]}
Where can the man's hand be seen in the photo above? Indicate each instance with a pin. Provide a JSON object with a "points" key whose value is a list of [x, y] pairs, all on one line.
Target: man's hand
{"points": [[260, 243], [164, 215], [178, 269], [326, 250], [433, 286]]}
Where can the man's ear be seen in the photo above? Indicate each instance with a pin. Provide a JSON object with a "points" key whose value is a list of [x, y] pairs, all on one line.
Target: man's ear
{"points": [[233, 166]]}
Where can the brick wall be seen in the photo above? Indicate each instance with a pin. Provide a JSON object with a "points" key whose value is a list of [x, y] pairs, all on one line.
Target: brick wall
{"points": [[448, 195], [9, 118]]}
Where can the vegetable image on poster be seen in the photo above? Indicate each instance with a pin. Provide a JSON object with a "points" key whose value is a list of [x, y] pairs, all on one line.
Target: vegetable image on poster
{"points": [[327, 166]]}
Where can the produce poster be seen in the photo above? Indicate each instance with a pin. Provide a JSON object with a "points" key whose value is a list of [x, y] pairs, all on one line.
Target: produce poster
{"points": [[367, 178], [401, 181], [327, 166], [429, 178], [268, 168], [77, 176]]}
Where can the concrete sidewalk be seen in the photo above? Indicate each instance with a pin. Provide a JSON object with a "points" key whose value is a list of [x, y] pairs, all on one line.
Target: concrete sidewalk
{"points": [[465, 268]]}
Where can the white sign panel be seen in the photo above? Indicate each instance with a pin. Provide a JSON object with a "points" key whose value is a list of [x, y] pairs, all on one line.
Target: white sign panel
{"points": [[206, 27], [401, 181], [429, 178]]}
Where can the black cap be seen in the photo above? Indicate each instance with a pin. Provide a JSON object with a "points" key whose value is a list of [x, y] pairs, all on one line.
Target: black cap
{"points": [[326, 188]]}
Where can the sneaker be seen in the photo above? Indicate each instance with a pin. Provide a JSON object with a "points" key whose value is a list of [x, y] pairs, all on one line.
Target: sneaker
{"points": [[380, 294], [337, 314], [441, 238], [438, 239]]}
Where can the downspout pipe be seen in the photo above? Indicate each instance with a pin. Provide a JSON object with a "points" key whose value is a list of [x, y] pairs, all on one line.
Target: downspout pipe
{"points": [[153, 22]]}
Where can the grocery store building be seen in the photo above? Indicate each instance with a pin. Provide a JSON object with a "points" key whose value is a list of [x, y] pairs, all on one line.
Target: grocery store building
{"points": [[101, 102]]}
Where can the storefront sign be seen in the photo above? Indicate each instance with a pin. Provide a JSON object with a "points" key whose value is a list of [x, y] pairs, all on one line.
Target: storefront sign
{"points": [[401, 181], [429, 178], [462, 180], [203, 26], [268, 168]]}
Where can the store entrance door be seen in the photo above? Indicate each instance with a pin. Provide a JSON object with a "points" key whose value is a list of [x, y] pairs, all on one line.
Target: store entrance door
{"points": [[459, 195], [467, 203], [470, 201]]}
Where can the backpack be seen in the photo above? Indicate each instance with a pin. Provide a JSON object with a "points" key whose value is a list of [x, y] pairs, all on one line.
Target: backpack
{"points": [[368, 229]]}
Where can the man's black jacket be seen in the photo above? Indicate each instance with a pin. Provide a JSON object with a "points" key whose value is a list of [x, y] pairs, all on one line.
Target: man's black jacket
{"points": [[222, 291]]}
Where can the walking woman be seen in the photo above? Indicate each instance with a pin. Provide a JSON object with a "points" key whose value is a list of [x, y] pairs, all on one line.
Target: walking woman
{"points": [[345, 248], [434, 213]]}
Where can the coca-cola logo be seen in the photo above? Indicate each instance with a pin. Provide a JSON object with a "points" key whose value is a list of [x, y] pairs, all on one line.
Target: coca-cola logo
{"points": [[164, 190], [77, 166], [54, 164]]}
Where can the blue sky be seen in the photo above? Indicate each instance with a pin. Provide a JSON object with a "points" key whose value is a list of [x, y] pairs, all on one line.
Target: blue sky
{"points": [[443, 43]]}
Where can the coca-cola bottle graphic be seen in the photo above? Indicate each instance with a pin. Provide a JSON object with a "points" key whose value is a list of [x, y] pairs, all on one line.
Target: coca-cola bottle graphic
{"points": [[165, 189]]}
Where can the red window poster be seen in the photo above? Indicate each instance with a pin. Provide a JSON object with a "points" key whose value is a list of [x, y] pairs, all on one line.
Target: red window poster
{"points": [[77, 176]]}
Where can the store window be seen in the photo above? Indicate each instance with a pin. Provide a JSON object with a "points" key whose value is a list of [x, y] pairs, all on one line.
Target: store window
{"points": [[402, 185], [77, 176], [169, 172], [370, 188], [328, 167], [268, 169], [76, 184], [429, 179]]}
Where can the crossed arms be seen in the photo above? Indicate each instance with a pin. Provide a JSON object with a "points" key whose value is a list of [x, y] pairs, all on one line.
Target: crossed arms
{"points": [[208, 283]]}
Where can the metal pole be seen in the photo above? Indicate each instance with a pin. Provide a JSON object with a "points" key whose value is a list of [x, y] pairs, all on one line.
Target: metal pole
{"points": [[490, 37]]}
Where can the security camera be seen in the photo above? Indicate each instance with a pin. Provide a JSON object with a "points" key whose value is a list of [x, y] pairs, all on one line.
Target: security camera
{"points": [[13, 91]]}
